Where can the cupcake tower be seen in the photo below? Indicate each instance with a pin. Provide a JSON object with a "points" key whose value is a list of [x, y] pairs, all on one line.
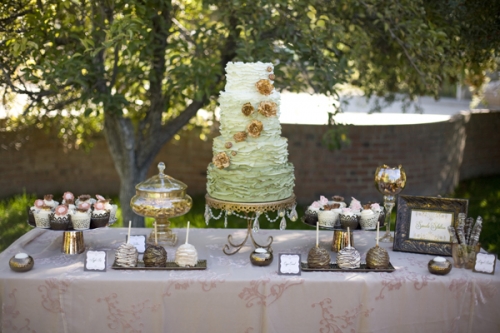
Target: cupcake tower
{"points": [[80, 214]]}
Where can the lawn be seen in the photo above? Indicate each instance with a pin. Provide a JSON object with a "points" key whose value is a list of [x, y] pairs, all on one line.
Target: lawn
{"points": [[483, 195]]}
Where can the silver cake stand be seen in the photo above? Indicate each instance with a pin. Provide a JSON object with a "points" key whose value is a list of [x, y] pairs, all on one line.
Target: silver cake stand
{"points": [[252, 210]]}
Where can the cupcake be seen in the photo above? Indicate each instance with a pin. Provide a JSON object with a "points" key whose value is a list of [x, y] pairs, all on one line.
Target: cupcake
{"points": [[355, 205], [100, 216], [377, 209], [328, 216], [69, 200], [81, 217], [85, 198], [368, 218], [348, 219], [108, 206], [48, 201], [340, 200], [60, 219], [42, 214]]}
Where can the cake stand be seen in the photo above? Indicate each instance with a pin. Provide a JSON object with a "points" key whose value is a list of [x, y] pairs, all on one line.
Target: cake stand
{"points": [[252, 211], [72, 240]]}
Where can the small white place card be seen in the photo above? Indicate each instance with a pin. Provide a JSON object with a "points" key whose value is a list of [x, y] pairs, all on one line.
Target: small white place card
{"points": [[139, 241], [485, 263], [289, 264], [95, 261]]}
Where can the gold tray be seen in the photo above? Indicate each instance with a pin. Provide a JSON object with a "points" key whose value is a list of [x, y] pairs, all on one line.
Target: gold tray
{"points": [[334, 268], [171, 265]]}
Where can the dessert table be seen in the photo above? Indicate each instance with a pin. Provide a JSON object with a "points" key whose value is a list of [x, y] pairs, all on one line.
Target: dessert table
{"points": [[232, 295]]}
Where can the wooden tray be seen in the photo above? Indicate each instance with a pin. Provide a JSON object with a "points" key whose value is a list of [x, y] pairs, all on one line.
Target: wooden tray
{"points": [[171, 265], [334, 268]]}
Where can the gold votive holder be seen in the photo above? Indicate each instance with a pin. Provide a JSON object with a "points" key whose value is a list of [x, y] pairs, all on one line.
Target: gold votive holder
{"points": [[464, 255], [73, 242], [340, 240]]}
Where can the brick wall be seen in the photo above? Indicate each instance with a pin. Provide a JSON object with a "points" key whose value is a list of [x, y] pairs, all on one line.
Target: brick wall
{"points": [[435, 156]]}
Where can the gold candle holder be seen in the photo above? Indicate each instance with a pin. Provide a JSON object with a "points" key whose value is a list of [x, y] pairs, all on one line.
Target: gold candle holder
{"points": [[73, 242], [340, 240]]}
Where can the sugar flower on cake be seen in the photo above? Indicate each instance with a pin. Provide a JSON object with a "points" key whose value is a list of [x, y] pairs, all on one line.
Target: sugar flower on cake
{"points": [[265, 87], [221, 160], [228, 145], [268, 108], [255, 128], [247, 109], [240, 136]]}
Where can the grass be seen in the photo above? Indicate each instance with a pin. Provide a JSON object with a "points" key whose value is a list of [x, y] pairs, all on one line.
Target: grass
{"points": [[483, 195]]}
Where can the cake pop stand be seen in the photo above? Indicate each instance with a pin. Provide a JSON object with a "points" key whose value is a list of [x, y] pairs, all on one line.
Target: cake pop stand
{"points": [[252, 211]]}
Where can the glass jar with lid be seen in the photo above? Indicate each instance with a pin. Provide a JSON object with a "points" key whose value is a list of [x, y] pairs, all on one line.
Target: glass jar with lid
{"points": [[161, 197]]}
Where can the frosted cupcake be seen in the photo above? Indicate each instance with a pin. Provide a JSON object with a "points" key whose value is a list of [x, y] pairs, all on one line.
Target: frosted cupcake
{"points": [[69, 200], [81, 217], [108, 206], [100, 216], [348, 218], [368, 219], [60, 219], [42, 214], [49, 202]]}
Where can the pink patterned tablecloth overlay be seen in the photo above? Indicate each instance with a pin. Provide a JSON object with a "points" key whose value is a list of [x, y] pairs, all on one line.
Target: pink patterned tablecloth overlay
{"points": [[231, 295]]}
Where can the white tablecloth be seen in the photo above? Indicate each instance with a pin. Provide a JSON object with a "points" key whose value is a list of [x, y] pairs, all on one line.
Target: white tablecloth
{"points": [[234, 296]]}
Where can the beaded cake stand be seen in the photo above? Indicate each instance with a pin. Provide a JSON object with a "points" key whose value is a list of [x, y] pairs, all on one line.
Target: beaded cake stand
{"points": [[252, 211]]}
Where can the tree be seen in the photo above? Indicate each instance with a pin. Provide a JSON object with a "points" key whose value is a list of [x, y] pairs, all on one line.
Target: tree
{"points": [[139, 70]]}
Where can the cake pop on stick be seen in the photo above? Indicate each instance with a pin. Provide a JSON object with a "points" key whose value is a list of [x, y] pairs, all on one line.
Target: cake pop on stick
{"points": [[377, 257], [318, 257], [155, 255], [126, 255], [348, 257], [186, 254]]}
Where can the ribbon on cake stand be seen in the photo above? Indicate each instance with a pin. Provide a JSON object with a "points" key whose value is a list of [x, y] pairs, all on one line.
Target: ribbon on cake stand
{"points": [[252, 211]]}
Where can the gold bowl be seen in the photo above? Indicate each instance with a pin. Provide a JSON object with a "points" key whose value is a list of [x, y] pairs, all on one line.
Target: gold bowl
{"points": [[21, 262], [439, 266]]}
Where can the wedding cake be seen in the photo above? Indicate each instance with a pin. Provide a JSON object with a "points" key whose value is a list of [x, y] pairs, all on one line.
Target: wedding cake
{"points": [[250, 158]]}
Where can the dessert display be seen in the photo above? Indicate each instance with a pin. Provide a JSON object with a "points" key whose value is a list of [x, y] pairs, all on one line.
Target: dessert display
{"points": [[250, 158], [318, 257], [161, 197], [186, 255], [126, 255], [60, 219], [348, 257], [377, 257]]}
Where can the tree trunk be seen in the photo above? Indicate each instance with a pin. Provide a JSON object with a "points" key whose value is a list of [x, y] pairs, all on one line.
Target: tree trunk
{"points": [[127, 191]]}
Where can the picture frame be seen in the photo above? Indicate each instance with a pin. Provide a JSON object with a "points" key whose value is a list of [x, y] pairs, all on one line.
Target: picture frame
{"points": [[422, 223]]}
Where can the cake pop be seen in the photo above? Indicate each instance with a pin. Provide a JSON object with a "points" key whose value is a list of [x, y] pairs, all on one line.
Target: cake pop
{"points": [[126, 254], [377, 257], [348, 257], [186, 254], [318, 257], [155, 255]]}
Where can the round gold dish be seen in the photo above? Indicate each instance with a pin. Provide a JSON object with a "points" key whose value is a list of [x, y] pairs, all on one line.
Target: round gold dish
{"points": [[261, 257]]}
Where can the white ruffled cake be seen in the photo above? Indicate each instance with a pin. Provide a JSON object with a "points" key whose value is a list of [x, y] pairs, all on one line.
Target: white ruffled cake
{"points": [[250, 161]]}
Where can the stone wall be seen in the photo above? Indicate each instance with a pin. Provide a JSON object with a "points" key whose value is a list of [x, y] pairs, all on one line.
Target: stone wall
{"points": [[435, 156]]}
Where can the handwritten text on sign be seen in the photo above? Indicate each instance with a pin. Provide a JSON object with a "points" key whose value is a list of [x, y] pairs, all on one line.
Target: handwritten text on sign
{"points": [[430, 226]]}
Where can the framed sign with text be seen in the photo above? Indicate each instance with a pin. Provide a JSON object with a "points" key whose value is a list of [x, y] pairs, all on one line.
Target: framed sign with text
{"points": [[422, 223]]}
